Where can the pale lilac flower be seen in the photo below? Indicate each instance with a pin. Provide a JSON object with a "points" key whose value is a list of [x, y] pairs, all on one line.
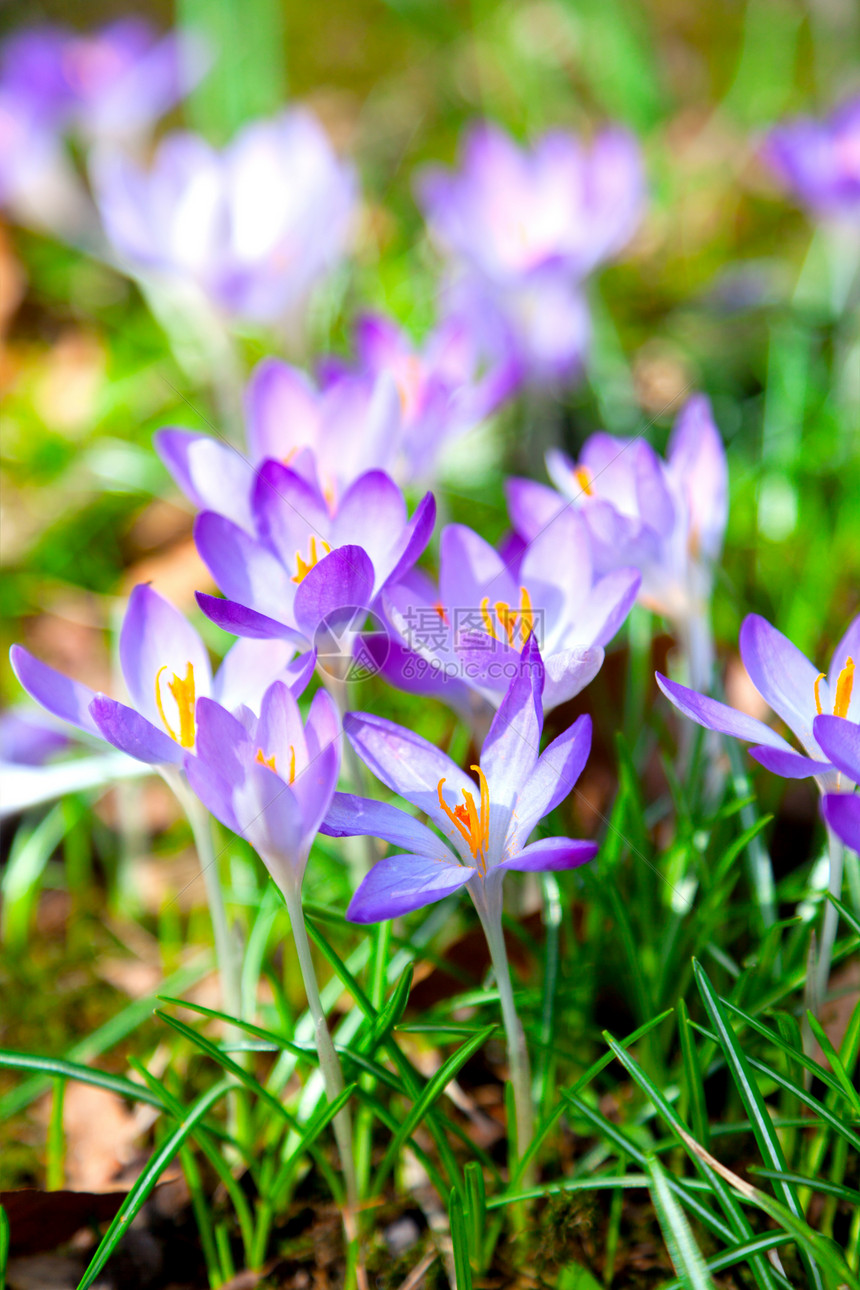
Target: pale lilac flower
{"points": [[839, 739], [328, 436], [446, 387], [819, 160], [667, 518], [522, 229], [312, 557], [254, 226], [482, 824], [464, 640], [796, 692], [166, 670]]}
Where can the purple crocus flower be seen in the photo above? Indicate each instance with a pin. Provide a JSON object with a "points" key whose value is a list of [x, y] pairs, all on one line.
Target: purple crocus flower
{"points": [[484, 821], [445, 386], [522, 229], [313, 558], [270, 779], [839, 739], [166, 669], [796, 692], [329, 437], [819, 161], [255, 226], [665, 517], [466, 639]]}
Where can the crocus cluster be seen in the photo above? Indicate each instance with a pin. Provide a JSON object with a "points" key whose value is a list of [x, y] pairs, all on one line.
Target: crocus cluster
{"points": [[521, 229]]}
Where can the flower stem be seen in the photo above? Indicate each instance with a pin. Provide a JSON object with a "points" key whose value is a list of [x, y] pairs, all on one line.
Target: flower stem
{"points": [[831, 917], [490, 914], [328, 1058]]}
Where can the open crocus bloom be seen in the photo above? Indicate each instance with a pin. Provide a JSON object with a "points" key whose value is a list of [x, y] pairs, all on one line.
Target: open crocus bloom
{"points": [[330, 437], [820, 160], [313, 556], [839, 739], [665, 517], [470, 635], [254, 226], [269, 779], [445, 388], [796, 692], [167, 670], [483, 822]]}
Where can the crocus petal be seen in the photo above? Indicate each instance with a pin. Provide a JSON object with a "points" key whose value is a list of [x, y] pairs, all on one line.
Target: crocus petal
{"points": [[532, 506], [280, 732], [270, 817], [213, 475], [222, 741], [557, 770], [372, 514], [244, 569], [333, 590], [239, 620], [839, 740], [66, 698], [402, 883], [412, 545], [842, 813], [568, 672], [512, 745], [783, 676], [350, 816], [281, 410], [289, 512], [719, 716], [607, 605], [249, 667], [790, 765], [410, 766], [550, 853], [314, 785], [213, 791], [127, 730], [156, 636]]}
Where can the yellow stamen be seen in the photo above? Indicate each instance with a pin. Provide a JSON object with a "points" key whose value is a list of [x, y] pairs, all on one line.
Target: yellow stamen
{"points": [[292, 764], [442, 612], [844, 686], [183, 693], [584, 478], [266, 761], [817, 689], [472, 824], [509, 619], [488, 618], [303, 567]]}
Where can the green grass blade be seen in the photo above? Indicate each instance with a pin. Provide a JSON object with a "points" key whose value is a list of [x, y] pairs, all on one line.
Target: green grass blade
{"points": [[798, 1057], [147, 1180], [835, 1061], [693, 1079], [740, 1253], [459, 1241], [848, 1194], [687, 1258], [754, 1104], [851, 919], [53, 1067], [433, 1089], [5, 1241]]}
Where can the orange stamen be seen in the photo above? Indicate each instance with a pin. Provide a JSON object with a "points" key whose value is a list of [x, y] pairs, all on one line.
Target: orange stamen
{"points": [[509, 619], [472, 824], [182, 689], [817, 689], [303, 567], [584, 478], [442, 612], [266, 761], [844, 687], [488, 618]]}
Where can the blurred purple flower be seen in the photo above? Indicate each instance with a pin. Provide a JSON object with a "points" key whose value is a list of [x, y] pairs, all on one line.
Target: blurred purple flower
{"points": [[254, 226], [483, 835], [796, 692], [269, 779], [467, 638], [839, 739], [819, 161], [166, 669], [29, 738], [312, 557], [666, 518], [446, 387], [522, 230], [329, 437]]}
